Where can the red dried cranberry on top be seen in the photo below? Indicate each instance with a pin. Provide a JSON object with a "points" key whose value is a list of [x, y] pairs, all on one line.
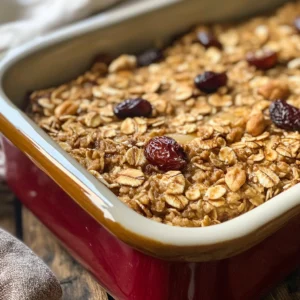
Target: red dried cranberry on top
{"points": [[131, 108], [207, 39], [284, 115], [165, 153], [263, 60], [210, 82]]}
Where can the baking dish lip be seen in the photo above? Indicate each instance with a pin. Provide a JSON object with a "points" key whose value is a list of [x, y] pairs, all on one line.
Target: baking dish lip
{"points": [[99, 196]]}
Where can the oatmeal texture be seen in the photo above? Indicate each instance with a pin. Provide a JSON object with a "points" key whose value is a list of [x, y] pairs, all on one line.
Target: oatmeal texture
{"points": [[237, 158]]}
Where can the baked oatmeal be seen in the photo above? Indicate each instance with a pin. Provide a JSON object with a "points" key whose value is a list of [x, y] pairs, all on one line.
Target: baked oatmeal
{"points": [[192, 135]]}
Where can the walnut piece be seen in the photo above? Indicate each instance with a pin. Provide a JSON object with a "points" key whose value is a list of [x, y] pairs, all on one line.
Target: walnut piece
{"points": [[274, 90], [256, 124], [235, 178]]}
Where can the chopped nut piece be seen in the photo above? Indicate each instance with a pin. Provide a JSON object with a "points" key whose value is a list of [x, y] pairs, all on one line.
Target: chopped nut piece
{"points": [[227, 155], [274, 90], [235, 178], [256, 124]]}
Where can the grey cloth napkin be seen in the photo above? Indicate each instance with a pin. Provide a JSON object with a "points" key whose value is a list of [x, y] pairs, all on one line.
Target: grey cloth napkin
{"points": [[23, 276]]}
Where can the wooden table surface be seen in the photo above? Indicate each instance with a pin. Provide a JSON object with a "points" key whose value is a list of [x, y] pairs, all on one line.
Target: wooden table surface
{"points": [[77, 283]]}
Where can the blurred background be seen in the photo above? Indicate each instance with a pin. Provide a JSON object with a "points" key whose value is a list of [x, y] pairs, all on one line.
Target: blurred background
{"points": [[23, 20]]}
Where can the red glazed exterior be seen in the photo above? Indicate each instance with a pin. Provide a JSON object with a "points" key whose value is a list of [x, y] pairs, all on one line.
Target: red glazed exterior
{"points": [[131, 275]]}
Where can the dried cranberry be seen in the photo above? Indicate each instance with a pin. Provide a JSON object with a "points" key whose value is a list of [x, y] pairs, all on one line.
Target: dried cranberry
{"points": [[130, 108], [149, 57], [263, 59], [165, 153], [297, 23], [209, 82], [284, 115], [207, 39]]}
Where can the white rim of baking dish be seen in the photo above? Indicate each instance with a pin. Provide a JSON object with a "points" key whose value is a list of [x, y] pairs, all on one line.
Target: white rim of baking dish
{"points": [[113, 208]]}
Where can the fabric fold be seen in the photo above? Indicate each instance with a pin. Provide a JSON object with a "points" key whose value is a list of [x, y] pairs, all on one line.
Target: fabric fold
{"points": [[23, 276], [24, 20]]}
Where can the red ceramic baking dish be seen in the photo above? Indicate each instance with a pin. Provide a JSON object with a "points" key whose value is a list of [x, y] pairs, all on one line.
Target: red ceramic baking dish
{"points": [[135, 258]]}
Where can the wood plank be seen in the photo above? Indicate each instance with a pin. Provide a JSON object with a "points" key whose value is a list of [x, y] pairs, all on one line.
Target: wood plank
{"points": [[76, 282], [287, 290], [281, 293], [7, 221]]}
